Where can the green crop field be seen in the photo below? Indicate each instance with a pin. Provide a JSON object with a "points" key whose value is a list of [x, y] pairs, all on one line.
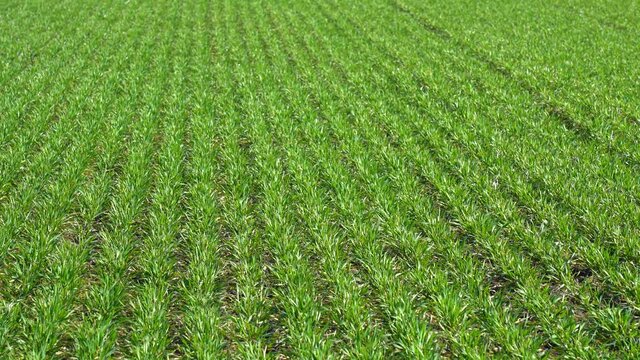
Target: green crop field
{"points": [[301, 179]]}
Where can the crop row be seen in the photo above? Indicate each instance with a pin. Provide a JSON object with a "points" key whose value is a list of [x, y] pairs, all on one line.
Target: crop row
{"points": [[293, 179]]}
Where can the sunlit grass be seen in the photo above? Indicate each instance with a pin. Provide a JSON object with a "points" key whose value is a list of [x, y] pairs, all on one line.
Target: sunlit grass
{"points": [[300, 179]]}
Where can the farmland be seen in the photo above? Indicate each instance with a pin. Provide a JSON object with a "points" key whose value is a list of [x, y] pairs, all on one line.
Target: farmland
{"points": [[303, 179]]}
